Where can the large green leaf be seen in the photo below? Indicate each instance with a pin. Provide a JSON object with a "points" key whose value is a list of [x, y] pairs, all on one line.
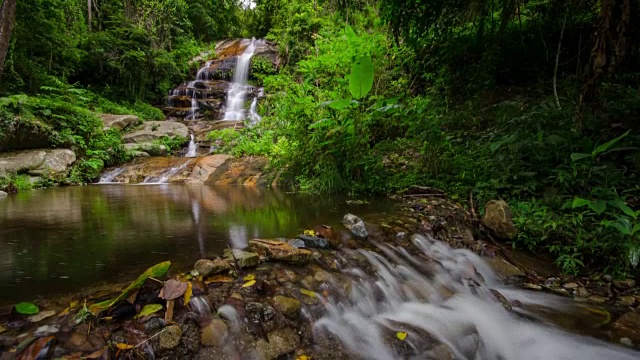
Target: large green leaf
{"points": [[157, 270], [598, 206], [579, 156], [27, 308], [361, 77], [580, 202], [604, 147]]}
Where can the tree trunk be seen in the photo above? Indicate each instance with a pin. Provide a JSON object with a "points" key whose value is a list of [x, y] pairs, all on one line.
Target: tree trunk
{"points": [[7, 19], [89, 14]]}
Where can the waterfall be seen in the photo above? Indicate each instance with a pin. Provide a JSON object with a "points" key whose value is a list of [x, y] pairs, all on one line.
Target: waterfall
{"points": [[254, 117], [234, 109], [192, 151], [110, 175]]}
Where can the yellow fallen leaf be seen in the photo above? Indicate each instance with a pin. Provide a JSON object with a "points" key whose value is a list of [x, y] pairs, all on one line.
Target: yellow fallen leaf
{"points": [[249, 277], [310, 233], [188, 294], [218, 279], [303, 357], [249, 283], [307, 292], [2, 329], [148, 310], [123, 346], [401, 335]]}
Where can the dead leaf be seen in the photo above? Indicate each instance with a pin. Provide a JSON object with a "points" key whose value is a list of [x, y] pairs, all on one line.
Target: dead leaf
{"points": [[188, 293], [218, 279], [123, 346], [132, 296], [249, 283], [38, 349], [168, 315], [2, 329], [173, 289], [41, 316], [401, 335], [98, 354]]}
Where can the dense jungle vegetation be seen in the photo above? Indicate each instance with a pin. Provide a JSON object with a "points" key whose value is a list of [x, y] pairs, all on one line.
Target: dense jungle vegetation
{"points": [[533, 101]]}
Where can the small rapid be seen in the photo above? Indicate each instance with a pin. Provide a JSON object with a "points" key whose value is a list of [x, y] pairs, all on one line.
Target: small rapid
{"points": [[445, 298]]}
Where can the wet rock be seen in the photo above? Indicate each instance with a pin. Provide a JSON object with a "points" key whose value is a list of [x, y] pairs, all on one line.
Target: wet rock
{"points": [[148, 148], [153, 324], [281, 342], [37, 162], [597, 299], [570, 286], [41, 316], [502, 267], [280, 251], [531, 286], [313, 241], [355, 225], [212, 353], [214, 333], [118, 122], [498, 218], [206, 267], [627, 301], [297, 243], [152, 130], [628, 325], [582, 292], [289, 307], [607, 278], [624, 284], [170, 337], [3, 194], [244, 259], [81, 341]]}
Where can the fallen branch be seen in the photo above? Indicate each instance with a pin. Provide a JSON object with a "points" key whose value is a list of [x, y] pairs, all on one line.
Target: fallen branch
{"points": [[555, 70]]}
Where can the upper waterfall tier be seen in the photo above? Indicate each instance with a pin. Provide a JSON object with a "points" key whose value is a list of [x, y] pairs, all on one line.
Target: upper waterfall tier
{"points": [[223, 86]]}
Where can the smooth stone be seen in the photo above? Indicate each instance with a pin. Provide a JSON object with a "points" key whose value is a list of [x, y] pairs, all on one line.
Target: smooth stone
{"points": [[281, 342], [502, 267], [214, 333], [153, 324], [531, 286], [118, 122], [280, 251], [297, 243], [170, 337], [3, 194], [583, 292], [624, 284], [499, 219], [244, 259], [148, 148], [152, 130], [627, 301], [206, 267], [355, 225], [313, 241], [570, 285], [36, 162], [628, 326], [289, 307], [597, 299]]}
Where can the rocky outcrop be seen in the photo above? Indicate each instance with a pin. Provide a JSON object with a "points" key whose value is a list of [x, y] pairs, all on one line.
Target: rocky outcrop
{"points": [[240, 171], [119, 122], [28, 135], [498, 218], [153, 130], [37, 162]]}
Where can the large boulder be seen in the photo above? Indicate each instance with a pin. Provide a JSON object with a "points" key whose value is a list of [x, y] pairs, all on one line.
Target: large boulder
{"points": [[499, 219], [25, 135], [37, 162], [152, 130], [119, 122]]}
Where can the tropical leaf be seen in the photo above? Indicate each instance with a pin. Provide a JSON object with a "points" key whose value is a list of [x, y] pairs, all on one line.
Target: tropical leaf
{"points": [[361, 77], [604, 147], [27, 308], [580, 202], [598, 206]]}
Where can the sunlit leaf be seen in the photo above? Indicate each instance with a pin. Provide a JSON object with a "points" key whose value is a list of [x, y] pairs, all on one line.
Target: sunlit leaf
{"points": [[308, 292], [303, 357], [580, 202], [361, 77], [401, 335], [155, 271], [188, 294], [27, 308], [249, 277], [149, 309], [310, 233], [249, 283], [123, 346]]}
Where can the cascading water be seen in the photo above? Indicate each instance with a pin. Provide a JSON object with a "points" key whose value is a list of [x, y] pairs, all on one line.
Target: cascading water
{"points": [[234, 109], [111, 175], [164, 177], [192, 150], [254, 117], [443, 298]]}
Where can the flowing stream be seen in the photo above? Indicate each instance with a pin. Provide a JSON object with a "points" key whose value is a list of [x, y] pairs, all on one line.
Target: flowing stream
{"points": [[192, 150]]}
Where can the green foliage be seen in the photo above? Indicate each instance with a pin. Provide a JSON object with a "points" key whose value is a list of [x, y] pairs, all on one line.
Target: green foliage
{"points": [[27, 308], [172, 144], [15, 183], [261, 67]]}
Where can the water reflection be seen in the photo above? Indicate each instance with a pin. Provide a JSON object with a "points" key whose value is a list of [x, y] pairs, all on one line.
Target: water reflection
{"points": [[63, 239]]}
